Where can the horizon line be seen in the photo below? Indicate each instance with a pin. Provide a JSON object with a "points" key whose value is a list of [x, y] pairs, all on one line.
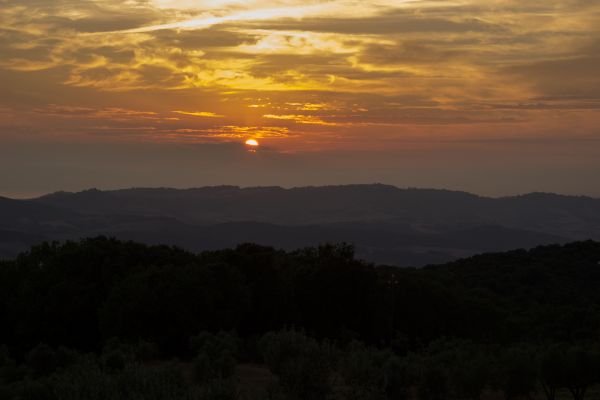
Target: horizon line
{"points": [[31, 196]]}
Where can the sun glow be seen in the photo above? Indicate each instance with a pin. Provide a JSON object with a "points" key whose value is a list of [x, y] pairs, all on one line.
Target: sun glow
{"points": [[251, 142]]}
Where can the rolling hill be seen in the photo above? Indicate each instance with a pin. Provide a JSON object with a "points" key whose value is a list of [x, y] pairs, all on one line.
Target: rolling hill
{"points": [[386, 224]]}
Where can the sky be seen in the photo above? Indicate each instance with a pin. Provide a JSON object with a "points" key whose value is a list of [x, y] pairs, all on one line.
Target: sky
{"points": [[496, 97]]}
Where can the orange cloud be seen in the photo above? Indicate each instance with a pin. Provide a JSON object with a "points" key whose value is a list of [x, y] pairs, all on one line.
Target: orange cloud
{"points": [[206, 114], [301, 119], [326, 67]]}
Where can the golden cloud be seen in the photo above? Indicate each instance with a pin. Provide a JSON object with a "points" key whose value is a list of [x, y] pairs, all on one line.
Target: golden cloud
{"points": [[205, 114], [301, 119], [315, 65]]}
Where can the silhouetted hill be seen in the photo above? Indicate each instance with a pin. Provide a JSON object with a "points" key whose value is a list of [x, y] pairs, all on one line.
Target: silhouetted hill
{"points": [[14, 242], [31, 216], [568, 216], [387, 224], [271, 204]]}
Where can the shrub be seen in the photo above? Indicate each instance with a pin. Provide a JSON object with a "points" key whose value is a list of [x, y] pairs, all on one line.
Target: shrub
{"points": [[469, 375], [433, 380], [303, 365], [363, 372], [41, 360], [398, 378], [216, 356]]}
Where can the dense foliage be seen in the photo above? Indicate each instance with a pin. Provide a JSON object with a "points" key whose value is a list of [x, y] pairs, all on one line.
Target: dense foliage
{"points": [[327, 325]]}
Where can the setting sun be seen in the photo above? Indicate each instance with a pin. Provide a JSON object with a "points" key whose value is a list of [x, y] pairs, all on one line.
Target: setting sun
{"points": [[251, 142]]}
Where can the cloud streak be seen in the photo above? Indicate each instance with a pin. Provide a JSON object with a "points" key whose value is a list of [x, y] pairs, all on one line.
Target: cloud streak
{"points": [[205, 114]]}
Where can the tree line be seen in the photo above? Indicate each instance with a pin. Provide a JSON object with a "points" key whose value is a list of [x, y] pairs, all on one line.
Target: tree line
{"points": [[304, 368], [326, 324]]}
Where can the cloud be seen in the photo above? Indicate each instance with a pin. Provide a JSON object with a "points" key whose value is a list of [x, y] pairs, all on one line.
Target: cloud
{"points": [[109, 113], [548, 77], [301, 119], [319, 69], [388, 22], [230, 132], [206, 114]]}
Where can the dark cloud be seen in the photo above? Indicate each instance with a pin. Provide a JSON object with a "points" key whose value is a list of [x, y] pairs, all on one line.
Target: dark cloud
{"points": [[157, 75], [390, 22], [204, 39], [269, 64], [564, 77], [109, 22], [410, 52], [92, 16]]}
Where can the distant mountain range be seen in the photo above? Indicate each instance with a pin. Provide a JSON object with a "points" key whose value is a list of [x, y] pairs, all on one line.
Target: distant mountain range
{"points": [[386, 224]]}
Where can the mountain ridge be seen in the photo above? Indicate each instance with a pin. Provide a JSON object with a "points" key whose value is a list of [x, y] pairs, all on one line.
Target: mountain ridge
{"points": [[387, 224], [309, 187]]}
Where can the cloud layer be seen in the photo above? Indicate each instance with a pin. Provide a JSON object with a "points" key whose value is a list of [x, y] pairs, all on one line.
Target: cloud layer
{"points": [[301, 75]]}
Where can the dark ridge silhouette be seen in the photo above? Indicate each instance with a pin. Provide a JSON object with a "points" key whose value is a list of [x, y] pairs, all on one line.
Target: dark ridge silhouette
{"points": [[266, 204], [328, 204], [386, 224]]}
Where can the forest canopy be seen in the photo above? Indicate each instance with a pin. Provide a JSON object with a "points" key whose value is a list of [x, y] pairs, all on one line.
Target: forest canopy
{"points": [[100, 294]]}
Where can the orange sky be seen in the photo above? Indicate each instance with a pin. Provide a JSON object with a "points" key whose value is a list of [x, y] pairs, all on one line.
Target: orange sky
{"points": [[449, 80]]}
